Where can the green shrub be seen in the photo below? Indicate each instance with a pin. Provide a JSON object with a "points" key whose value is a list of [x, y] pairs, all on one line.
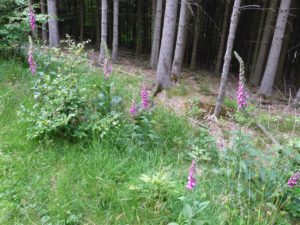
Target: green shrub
{"points": [[62, 108]]}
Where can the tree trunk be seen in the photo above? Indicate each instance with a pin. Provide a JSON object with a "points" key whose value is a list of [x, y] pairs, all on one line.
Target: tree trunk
{"points": [[180, 42], [227, 58], [256, 76], [116, 31], [196, 39], [163, 78], [81, 2], [138, 43], [53, 24], [296, 102], [156, 35], [223, 38], [97, 23], [258, 39], [44, 28], [153, 15], [103, 30], [271, 68]]}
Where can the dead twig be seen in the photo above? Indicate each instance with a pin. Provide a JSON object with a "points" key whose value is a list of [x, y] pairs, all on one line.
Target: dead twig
{"points": [[267, 133], [197, 122]]}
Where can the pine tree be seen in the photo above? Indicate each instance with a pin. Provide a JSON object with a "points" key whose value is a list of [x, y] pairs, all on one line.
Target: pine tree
{"points": [[273, 59]]}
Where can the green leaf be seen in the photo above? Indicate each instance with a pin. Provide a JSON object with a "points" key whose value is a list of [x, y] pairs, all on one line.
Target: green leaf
{"points": [[187, 211]]}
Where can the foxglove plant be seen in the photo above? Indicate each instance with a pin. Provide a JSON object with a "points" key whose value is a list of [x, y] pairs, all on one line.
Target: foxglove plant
{"points": [[191, 179], [145, 97], [31, 61], [132, 109], [242, 94], [107, 68], [32, 19], [294, 179]]}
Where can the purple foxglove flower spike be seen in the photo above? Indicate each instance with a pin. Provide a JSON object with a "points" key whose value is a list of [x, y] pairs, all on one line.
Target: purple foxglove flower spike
{"points": [[191, 179], [294, 179], [32, 19], [132, 110], [31, 61], [107, 68], [145, 97]]}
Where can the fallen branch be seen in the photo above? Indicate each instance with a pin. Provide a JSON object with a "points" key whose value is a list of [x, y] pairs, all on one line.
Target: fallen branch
{"points": [[197, 122], [267, 133]]}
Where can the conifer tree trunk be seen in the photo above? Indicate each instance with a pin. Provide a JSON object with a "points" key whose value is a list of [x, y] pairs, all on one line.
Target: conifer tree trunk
{"points": [[103, 29], [180, 42], [223, 38], [97, 23], [81, 2], [53, 24], [227, 58], [196, 39], [156, 35], [256, 75], [296, 102], [167, 44], [273, 59], [258, 40], [116, 31], [138, 43], [44, 28], [153, 15]]}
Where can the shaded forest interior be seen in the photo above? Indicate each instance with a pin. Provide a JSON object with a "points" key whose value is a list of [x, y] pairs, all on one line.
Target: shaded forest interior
{"points": [[136, 26]]}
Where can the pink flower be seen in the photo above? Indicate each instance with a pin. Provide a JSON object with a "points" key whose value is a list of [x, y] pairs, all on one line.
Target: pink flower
{"points": [[32, 19], [132, 110], [31, 61], [191, 180], [145, 97], [242, 96], [294, 179], [107, 68]]}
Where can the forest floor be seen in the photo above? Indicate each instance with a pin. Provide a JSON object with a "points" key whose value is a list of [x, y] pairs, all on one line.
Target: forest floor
{"points": [[134, 178], [276, 121]]}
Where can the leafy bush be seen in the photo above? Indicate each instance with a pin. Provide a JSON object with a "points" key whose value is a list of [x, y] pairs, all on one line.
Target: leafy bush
{"points": [[65, 104], [203, 148], [61, 108]]}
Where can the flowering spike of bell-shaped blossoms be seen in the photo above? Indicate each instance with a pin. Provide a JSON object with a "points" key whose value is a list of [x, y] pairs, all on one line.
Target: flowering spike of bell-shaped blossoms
{"points": [[132, 109], [145, 97], [32, 19], [107, 68], [191, 179], [241, 94], [31, 61], [294, 179]]}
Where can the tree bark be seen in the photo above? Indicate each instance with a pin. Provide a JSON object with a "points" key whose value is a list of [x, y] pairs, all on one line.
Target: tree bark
{"points": [[53, 24], [227, 57], [167, 44], [138, 44], [98, 23], [180, 42], [256, 75], [258, 39], [116, 31], [156, 35], [196, 38], [296, 102], [81, 2], [272, 64], [223, 38], [44, 28], [103, 29]]}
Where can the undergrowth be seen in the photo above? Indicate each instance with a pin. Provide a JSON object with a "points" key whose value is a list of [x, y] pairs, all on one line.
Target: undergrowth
{"points": [[132, 175]]}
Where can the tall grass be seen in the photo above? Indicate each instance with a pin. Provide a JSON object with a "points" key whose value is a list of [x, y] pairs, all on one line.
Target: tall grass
{"points": [[116, 180]]}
